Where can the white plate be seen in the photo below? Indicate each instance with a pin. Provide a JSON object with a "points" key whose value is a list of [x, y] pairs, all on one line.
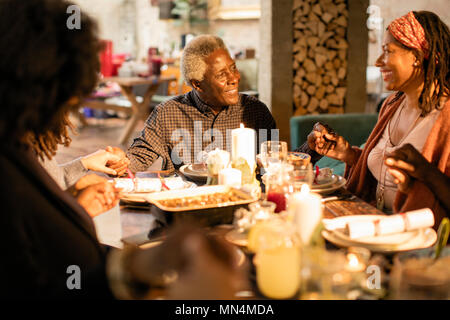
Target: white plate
{"points": [[425, 238], [200, 176], [239, 258], [390, 239], [326, 184], [337, 185]]}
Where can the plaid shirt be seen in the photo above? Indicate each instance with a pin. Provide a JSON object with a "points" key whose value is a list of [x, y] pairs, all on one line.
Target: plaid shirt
{"points": [[178, 129]]}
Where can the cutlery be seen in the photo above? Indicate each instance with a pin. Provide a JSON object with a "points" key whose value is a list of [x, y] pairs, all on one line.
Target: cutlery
{"points": [[341, 197]]}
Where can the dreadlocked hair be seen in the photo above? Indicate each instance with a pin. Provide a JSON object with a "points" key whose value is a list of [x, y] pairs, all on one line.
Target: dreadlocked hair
{"points": [[436, 68], [46, 144]]}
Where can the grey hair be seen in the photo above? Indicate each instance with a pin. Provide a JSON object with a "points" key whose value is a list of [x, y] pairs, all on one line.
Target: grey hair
{"points": [[193, 65]]}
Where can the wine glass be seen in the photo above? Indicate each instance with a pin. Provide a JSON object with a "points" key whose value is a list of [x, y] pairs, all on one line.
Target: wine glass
{"points": [[273, 152]]}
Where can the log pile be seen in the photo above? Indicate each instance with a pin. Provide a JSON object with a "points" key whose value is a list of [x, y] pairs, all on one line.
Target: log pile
{"points": [[320, 56]]}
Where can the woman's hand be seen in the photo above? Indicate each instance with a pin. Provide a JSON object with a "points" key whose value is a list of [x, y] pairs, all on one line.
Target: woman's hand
{"points": [[121, 165], [88, 180], [99, 160], [98, 198], [326, 142], [406, 164]]}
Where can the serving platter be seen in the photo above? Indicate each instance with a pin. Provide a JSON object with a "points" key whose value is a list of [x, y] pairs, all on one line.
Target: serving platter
{"points": [[199, 213]]}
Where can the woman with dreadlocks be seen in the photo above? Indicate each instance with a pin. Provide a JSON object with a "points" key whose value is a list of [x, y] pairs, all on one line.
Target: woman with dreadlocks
{"points": [[415, 65]]}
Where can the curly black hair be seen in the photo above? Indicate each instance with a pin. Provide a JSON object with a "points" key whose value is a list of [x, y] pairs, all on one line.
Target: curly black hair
{"points": [[43, 65], [437, 67]]}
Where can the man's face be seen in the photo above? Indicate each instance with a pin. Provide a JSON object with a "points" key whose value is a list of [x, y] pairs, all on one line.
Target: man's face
{"points": [[219, 87]]}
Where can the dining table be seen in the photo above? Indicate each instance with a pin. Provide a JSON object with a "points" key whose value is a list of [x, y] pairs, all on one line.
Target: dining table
{"points": [[144, 227], [139, 109]]}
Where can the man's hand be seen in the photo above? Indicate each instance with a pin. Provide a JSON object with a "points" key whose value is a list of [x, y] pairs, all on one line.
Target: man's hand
{"points": [[326, 142], [121, 165], [406, 164]]}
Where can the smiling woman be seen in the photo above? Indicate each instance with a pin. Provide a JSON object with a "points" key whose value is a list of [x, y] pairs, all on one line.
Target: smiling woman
{"points": [[414, 63]]}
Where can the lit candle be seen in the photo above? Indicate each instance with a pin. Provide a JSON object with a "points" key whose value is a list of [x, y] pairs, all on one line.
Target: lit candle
{"points": [[243, 145], [230, 177], [306, 210]]}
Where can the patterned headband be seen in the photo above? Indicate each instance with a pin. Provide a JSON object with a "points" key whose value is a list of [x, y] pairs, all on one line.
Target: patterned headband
{"points": [[409, 32]]}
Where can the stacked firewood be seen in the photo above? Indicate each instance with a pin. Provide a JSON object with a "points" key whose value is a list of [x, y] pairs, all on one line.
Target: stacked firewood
{"points": [[320, 56]]}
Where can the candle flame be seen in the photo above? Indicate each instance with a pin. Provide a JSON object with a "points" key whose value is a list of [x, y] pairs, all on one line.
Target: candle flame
{"points": [[242, 126], [353, 261], [305, 189]]}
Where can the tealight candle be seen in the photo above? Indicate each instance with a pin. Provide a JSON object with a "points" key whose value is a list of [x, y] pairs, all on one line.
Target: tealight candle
{"points": [[243, 145], [306, 210], [354, 264], [230, 177], [357, 258]]}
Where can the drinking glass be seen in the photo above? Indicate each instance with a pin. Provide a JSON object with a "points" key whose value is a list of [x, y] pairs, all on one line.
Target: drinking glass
{"points": [[324, 275], [417, 276], [277, 261], [273, 152], [302, 175]]}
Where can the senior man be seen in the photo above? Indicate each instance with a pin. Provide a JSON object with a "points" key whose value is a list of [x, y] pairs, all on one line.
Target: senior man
{"points": [[180, 129]]}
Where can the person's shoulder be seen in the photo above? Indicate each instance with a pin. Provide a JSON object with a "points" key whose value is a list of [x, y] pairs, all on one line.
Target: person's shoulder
{"points": [[392, 101], [174, 103], [248, 100]]}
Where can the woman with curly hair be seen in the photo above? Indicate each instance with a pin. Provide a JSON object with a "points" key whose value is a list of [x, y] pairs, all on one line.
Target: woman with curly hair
{"points": [[47, 237], [45, 71], [415, 63]]}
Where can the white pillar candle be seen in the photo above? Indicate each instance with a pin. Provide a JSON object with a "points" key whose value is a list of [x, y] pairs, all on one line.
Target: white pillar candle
{"points": [[306, 210], [243, 142], [230, 177]]}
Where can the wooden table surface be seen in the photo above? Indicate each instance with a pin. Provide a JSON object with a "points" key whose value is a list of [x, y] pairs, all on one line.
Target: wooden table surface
{"points": [[138, 110], [347, 207]]}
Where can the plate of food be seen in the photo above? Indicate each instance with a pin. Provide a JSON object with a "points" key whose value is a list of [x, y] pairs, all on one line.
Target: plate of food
{"points": [[195, 172]]}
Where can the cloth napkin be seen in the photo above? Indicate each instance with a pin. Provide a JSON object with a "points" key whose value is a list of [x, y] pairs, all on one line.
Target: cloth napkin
{"points": [[109, 228], [411, 220]]}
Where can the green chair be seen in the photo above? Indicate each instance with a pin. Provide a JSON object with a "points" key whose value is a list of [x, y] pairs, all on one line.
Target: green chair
{"points": [[354, 127]]}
